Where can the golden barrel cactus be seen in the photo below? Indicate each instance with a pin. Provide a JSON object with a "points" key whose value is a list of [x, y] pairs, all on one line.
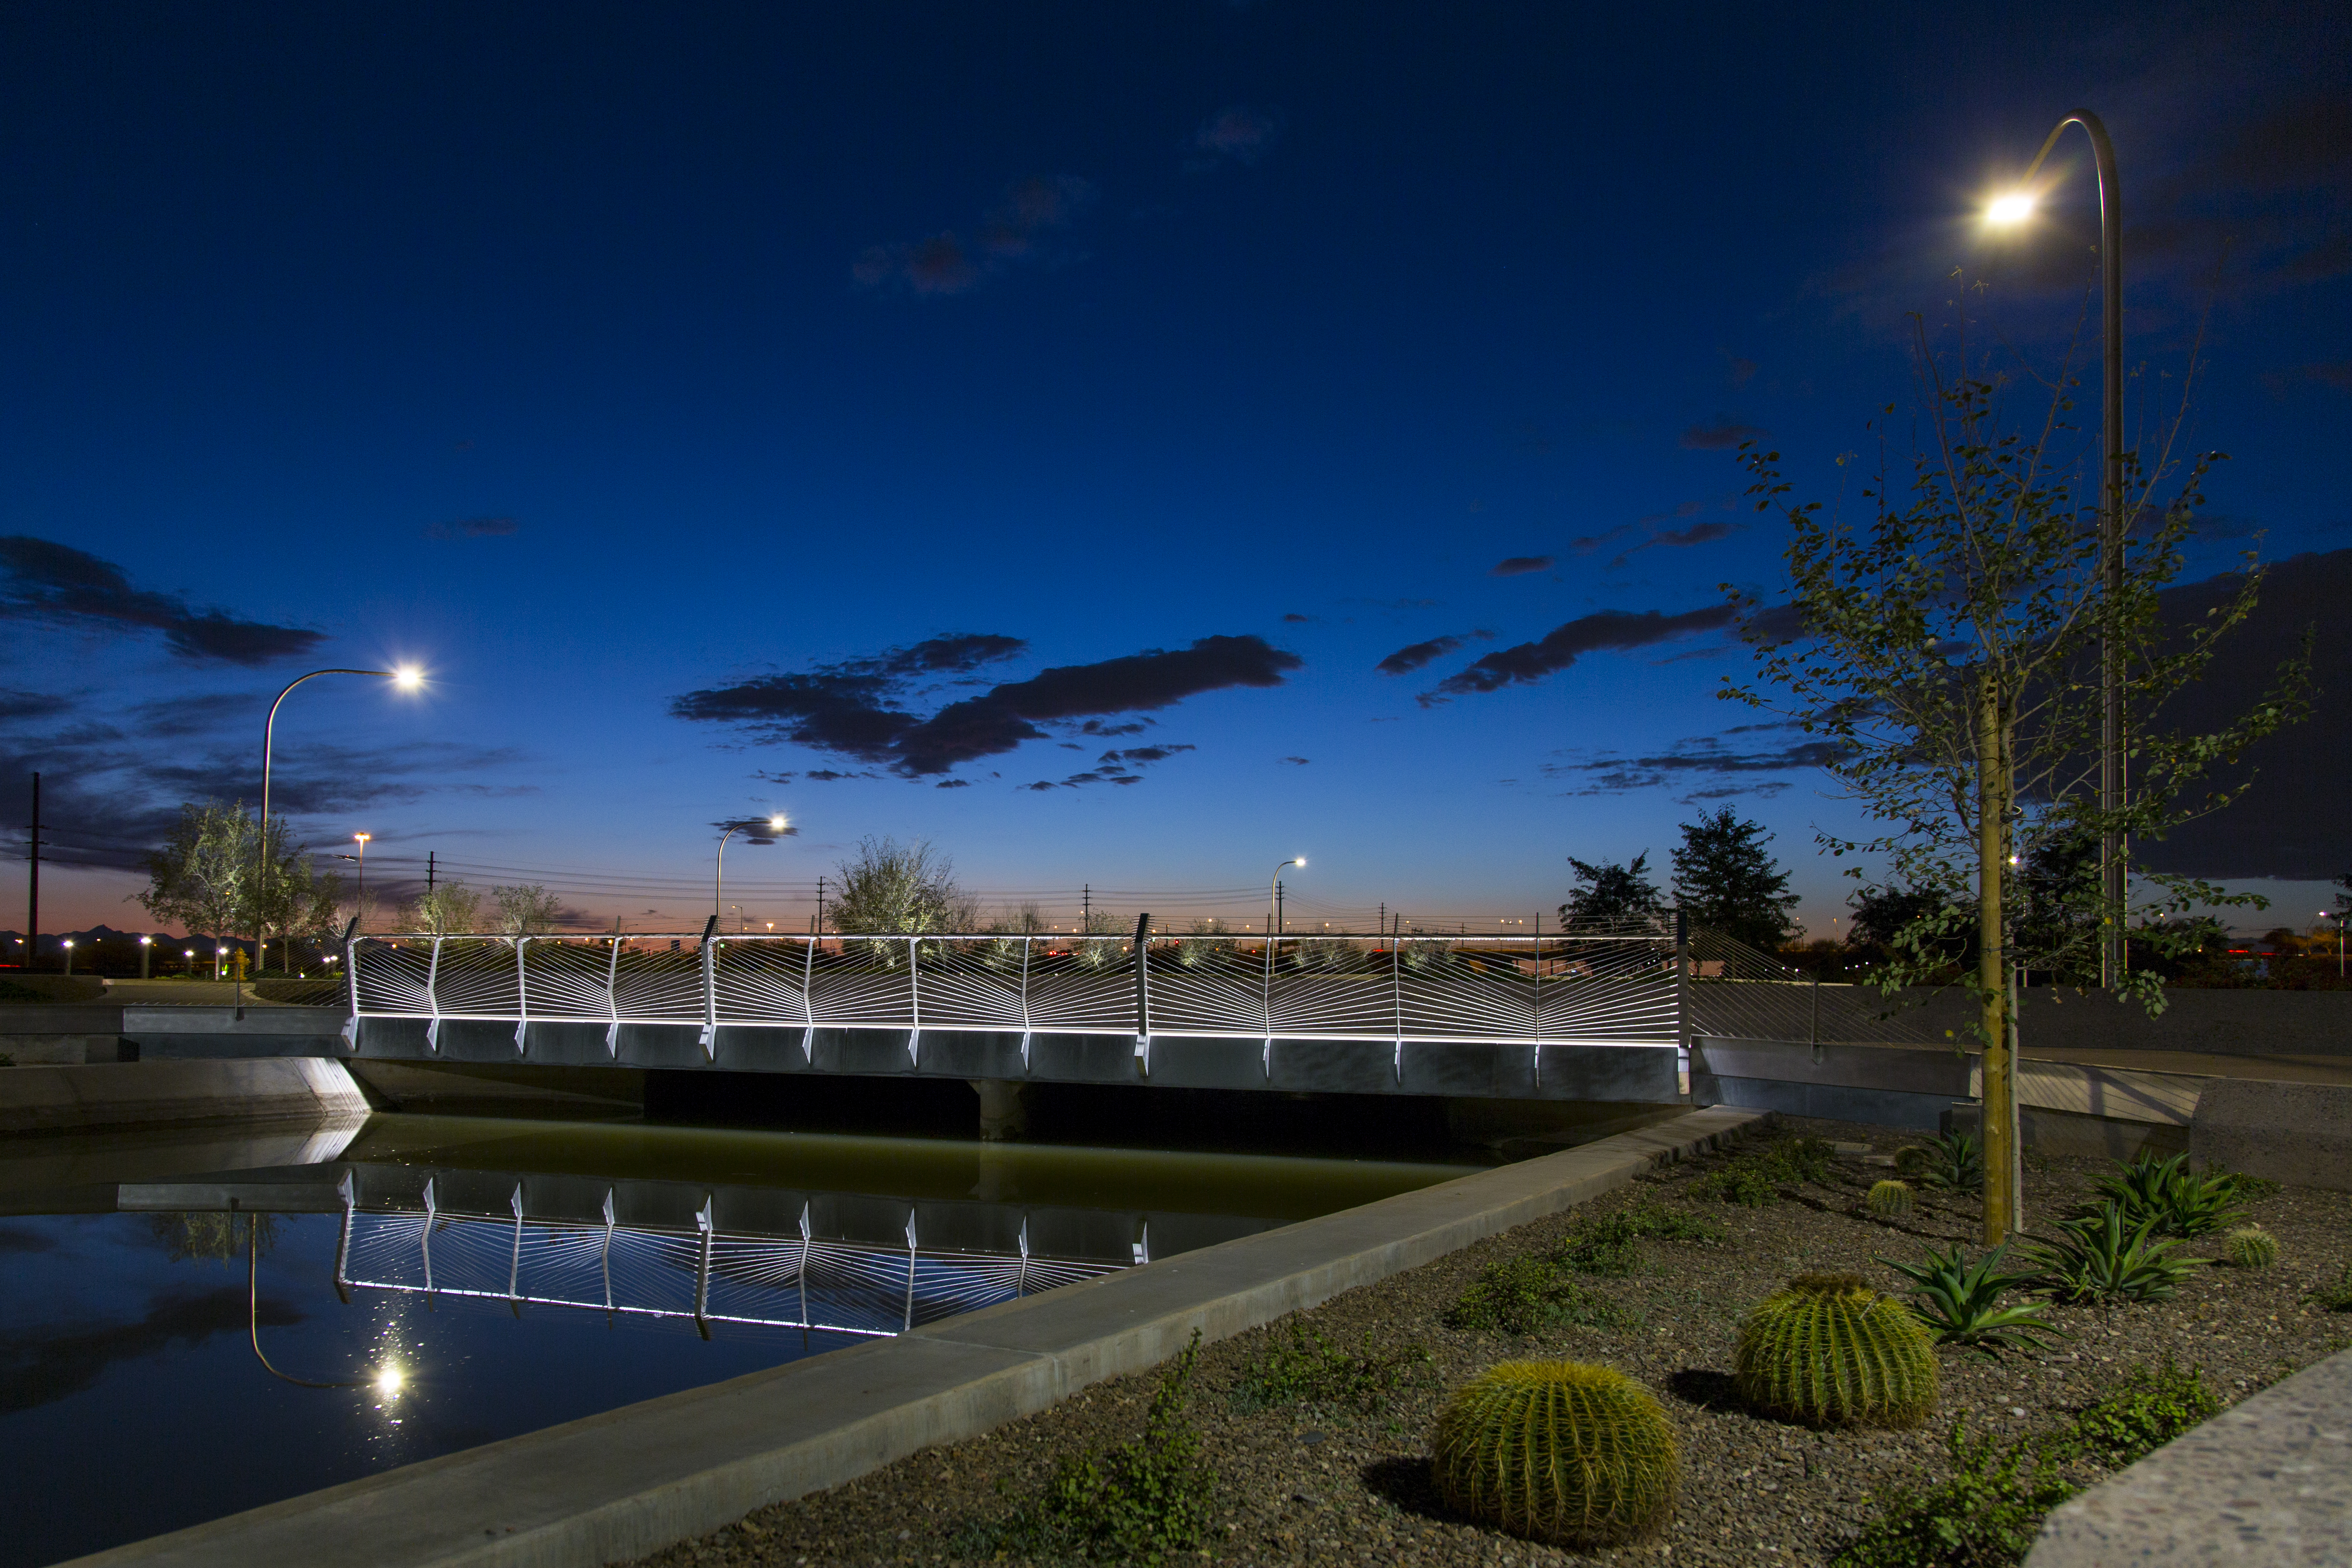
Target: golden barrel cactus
{"points": [[1829, 1351], [1558, 1451]]}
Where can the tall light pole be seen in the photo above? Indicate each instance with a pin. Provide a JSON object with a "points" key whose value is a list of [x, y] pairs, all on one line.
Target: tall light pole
{"points": [[2015, 207], [407, 678], [146, 952], [1274, 897], [359, 895], [774, 825]]}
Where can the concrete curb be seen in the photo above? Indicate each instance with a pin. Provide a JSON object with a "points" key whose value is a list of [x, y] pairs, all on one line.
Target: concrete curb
{"points": [[634, 1481], [2268, 1481], [111, 1096]]}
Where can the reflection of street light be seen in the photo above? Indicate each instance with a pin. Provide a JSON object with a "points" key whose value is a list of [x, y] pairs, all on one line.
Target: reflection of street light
{"points": [[2012, 207], [220, 961], [1274, 897], [774, 825]]}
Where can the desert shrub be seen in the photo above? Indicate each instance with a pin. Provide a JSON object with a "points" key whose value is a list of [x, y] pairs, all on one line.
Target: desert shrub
{"points": [[2150, 1407], [2336, 1296], [2171, 1198], [1520, 1295], [1953, 1161], [1301, 1364], [1609, 1247], [1756, 1179], [1829, 1351], [1984, 1516], [1557, 1451], [1145, 1501]]}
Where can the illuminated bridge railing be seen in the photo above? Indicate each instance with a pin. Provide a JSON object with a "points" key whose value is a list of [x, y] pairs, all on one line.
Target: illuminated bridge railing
{"points": [[703, 1275], [1608, 989]]}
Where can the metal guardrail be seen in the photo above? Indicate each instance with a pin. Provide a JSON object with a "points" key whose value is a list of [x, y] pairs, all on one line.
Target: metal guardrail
{"points": [[704, 1275]]}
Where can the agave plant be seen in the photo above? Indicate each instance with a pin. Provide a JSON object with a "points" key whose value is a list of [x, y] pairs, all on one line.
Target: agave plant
{"points": [[1961, 1300], [2178, 1200], [2104, 1255], [1954, 1161]]}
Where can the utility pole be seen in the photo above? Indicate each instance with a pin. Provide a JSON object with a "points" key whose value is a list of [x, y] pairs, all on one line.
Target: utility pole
{"points": [[431, 867], [1278, 909], [1085, 905], [33, 912], [819, 928]]}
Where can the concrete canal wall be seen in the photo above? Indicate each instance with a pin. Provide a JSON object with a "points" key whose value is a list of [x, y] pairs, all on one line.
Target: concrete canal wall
{"points": [[633, 1480], [119, 1096]]}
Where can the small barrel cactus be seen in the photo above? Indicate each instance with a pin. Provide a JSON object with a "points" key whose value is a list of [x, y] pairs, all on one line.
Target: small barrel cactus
{"points": [[1829, 1351], [1911, 1161], [1890, 1200], [2251, 1246], [1558, 1451]]}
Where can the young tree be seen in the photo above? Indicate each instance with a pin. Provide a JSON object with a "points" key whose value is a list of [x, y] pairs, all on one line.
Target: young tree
{"points": [[1725, 879], [526, 910], [202, 876], [894, 888], [446, 909], [1948, 647], [1620, 895]]}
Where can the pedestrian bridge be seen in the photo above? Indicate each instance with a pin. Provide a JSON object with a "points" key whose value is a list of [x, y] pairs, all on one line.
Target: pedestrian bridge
{"points": [[1579, 1015]]}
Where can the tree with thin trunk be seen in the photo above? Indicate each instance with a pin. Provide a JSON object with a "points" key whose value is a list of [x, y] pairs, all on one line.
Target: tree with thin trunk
{"points": [[1617, 895], [201, 877], [446, 909], [1947, 647], [526, 910]]}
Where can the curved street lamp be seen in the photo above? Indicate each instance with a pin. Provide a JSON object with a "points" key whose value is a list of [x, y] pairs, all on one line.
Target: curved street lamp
{"points": [[1274, 897], [407, 678], [775, 826], [2014, 206]]}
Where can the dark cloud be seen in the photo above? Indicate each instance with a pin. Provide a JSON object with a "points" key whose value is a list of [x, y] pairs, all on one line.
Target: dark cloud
{"points": [[1565, 644], [952, 783], [57, 583], [1589, 543], [1405, 660], [1295, 762], [1132, 727], [1137, 754], [1520, 565], [1296, 619], [1737, 371], [1019, 228], [1238, 132], [472, 528], [1680, 538], [37, 1369], [827, 775], [755, 829], [18, 706], [848, 708], [1723, 433], [1704, 756]]}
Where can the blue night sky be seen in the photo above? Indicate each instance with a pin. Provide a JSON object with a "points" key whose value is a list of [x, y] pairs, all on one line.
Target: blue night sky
{"points": [[1125, 445]]}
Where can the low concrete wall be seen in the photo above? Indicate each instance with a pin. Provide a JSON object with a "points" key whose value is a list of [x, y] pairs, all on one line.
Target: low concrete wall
{"points": [[159, 1094], [631, 1481], [2296, 1132], [2227, 1023], [2267, 1484]]}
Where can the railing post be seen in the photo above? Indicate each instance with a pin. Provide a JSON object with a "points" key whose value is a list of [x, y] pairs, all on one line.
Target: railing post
{"points": [[1028, 945], [425, 1242], [1143, 992], [522, 994], [608, 1249], [808, 1005], [514, 1258], [1539, 969], [351, 983], [1268, 1004], [433, 999], [1682, 1001], [914, 1003], [710, 989], [613, 999], [703, 1220], [1396, 996], [347, 1190]]}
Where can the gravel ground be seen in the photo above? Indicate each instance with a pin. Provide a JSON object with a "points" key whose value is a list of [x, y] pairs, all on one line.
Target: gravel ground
{"points": [[1318, 1484]]}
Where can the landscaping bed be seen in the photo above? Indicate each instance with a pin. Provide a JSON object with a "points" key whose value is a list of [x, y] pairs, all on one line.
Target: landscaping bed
{"points": [[1317, 1430]]}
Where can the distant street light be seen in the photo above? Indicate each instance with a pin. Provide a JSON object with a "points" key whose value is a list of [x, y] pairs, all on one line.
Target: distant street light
{"points": [[359, 897], [69, 947], [146, 952], [2014, 206], [220, 962], [775, 824], [1274, 897]]}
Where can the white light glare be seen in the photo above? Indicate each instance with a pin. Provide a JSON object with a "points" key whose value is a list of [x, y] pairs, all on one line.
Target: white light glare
{"points": [[2014, 207], [408, 677], [388, 1381]]}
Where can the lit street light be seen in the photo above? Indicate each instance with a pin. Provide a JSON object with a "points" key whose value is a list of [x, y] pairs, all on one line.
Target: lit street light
{"points": [[1274, 897], [69, 947], [146, 952], [2011, 207], [775, 826], [359, 895], [408, 677]]}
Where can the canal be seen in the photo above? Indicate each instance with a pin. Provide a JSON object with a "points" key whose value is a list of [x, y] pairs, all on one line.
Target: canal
{"points": [[201, 1323]]}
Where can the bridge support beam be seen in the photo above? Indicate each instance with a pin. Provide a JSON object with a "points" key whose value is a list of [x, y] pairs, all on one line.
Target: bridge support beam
{"points": [[1003, 1109]]}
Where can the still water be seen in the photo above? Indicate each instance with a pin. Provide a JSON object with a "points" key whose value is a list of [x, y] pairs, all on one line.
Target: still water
{"points": [[462, 1280]]}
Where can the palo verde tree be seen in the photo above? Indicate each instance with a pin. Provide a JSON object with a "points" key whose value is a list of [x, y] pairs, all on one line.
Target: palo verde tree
{"points": [[1948, 646], [202, 876], [1726, 880], [900, 889]]}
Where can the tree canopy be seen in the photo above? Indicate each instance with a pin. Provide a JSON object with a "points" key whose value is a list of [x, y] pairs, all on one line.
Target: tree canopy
{"points": [[1726, 880], [1617, 894]]}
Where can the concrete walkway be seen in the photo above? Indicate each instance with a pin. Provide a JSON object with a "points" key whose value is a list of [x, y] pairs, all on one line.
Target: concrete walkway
{"points": [[631, 1481]]}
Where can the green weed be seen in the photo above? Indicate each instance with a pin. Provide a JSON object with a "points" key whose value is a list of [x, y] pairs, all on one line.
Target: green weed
{"points": [[1520, 1295], [1755, 1180], [1985, 1516], [2150, 1407], [1145, 1501], [1302, 1365]]}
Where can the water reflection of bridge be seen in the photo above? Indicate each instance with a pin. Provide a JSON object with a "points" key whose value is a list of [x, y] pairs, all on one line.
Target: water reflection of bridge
{"points": [[1578, 1014], [841, 1262]]}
